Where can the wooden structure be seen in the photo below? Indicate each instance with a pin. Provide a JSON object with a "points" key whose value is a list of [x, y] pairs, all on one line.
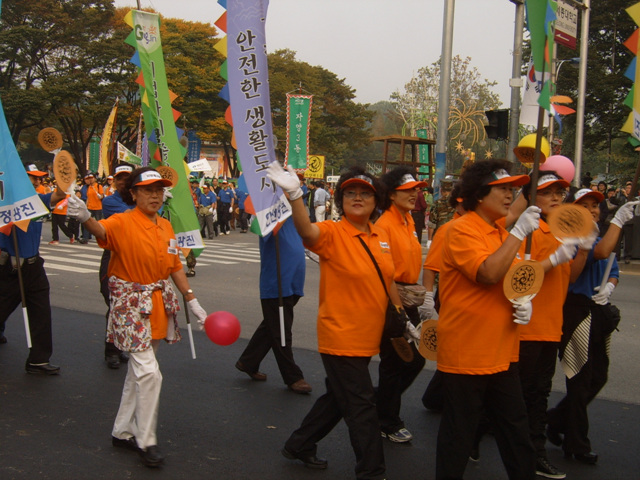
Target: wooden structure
{"points": [[412, 143]]}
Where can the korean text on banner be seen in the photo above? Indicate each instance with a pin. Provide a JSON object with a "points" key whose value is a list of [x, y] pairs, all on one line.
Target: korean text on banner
{"points": [[298, 121], [251, 108]]}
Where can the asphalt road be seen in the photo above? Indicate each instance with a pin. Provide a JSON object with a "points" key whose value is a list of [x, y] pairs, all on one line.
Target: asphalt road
{"points": [[214, 421]]}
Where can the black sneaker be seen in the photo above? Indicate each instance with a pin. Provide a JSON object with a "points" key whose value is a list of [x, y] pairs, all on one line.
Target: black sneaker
{"points": [[545, 469]]}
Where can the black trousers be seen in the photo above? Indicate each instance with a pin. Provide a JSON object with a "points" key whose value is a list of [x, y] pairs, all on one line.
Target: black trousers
{"points": [[466, 398], [350, 396], [36, 286], [570, 416], [86, 234], [109, 348], [537, 366], [267, 337], [223, 217], [59, 221], [395, 376], [418, 218]]}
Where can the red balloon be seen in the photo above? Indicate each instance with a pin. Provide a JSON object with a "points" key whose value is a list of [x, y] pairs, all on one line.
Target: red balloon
{"points": [[222, 328], [562, 165]]}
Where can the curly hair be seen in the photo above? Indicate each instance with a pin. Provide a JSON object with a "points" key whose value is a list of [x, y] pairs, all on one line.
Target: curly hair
{"points": [[338, 196], [473, 182], [391, 180]]}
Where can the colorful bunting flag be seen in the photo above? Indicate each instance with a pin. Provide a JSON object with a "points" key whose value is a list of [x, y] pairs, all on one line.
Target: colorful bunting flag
{"points": [[632, 124]]}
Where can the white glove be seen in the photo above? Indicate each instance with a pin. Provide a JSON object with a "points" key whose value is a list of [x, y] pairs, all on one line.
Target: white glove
{"points": [[77, 209], [285, 179], [522, 313], [602, 297], [426, 309], [586, 243], [198, 311], [166, 194], [230, 209], [411, 333], [528, 221], [624, 213], [563, 254]]}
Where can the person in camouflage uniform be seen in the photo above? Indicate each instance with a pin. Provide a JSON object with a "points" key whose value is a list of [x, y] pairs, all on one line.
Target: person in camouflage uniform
{"points": [[441, 212]]}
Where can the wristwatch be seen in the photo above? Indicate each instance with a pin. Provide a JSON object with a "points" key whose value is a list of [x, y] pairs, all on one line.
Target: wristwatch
{"points": [[187, 292]]}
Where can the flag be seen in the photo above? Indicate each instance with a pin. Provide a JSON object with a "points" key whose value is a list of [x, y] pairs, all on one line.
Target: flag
{"points": [[540, 15], [532, 89], [127, 156], [251, 108], [159, 119], [105, 142], [19, 201], [298, 122]]}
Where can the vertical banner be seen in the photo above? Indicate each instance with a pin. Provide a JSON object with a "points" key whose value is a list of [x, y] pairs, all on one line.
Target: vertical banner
{"points": [[194, 146], [93, 154], [160, 117], [298, 121], [104, 169], [423, 153], [251, 108]]}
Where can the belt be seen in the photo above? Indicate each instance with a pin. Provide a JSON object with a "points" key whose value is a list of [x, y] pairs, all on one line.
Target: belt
{"points": [[4, 259]]}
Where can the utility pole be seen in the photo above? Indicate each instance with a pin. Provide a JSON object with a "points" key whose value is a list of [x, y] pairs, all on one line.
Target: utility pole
{"points": [[582, 88], [515, 82]]}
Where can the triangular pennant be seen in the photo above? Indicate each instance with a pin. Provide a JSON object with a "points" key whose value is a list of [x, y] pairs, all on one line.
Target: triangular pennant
{"points": [[630, 72], [22, 224], [176, 114], [227, 116], [221, 46], [632, 42], [634, 12], [545, 95], [563, 109], [221, 23], [136, 59], [628, 101], [224, 93], [223, 71], [140, 79], [561, 99], [223, 3], [172, 96], [634, 141], [628, 124], [131, 39]]}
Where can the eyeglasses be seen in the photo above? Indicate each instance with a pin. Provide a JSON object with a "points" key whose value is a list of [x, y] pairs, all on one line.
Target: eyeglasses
{"points": [[151, 190], [555, 193], [352, 194]]}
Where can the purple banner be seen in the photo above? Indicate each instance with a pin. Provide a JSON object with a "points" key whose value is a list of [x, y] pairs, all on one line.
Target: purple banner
{"points": [[251, 108]]}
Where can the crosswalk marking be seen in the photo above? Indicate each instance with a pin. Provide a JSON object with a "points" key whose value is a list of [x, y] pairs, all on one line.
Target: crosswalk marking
{"points": [[86, 258]]}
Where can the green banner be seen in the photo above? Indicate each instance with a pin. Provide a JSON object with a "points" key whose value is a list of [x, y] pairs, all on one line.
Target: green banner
{"points": [[159, 118], [298, 120]]}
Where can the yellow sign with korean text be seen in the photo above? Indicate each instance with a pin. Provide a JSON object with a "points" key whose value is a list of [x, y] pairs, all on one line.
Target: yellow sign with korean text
{"points": [[315, 167]]}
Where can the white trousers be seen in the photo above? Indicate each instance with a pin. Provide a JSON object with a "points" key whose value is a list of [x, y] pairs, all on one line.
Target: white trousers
{"points": [[320, 211], [138, 412]]}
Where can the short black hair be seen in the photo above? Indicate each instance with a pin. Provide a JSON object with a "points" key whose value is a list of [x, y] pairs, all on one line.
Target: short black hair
{"points": [[473, 182], [391, 181], [338, 196], [128, 196]]}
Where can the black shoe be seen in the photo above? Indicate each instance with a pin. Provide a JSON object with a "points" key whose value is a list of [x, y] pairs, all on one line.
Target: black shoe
{"points": [[474, 456], [309, 460], [554, 436], [545, 469], [128, 443], [257, 376], [590, 458], [124, 357], [191, 273], [151, 457], [3, 339], [113, 361], [83, 241], [42, 369]]}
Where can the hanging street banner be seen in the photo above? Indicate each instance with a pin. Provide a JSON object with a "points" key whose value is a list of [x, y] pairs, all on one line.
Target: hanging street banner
{"points": [[159, 119], [298, 122], [532, 89], [127, 156], [315, 168], [248, 81]]}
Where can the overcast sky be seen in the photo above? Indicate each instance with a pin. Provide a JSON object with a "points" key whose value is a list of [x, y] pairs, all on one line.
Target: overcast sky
{"points": [[376, 45]]}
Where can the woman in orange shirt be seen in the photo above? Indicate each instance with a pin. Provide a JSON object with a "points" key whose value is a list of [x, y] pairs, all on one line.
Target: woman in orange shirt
{"points": [[477, 333], [144, 304], [351, 316], [395, 375]]}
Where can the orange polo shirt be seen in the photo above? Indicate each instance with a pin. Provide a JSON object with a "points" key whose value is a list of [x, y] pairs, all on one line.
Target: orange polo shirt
{"points": [[476, 332], [546, 319], [352, 301], [434, 256], [61, 209], [140, 253], [405, 248], [93, 201]]}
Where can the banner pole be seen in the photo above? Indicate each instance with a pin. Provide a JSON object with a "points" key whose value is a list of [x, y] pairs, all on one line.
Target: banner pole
{"points": [[283, 341], [25, 314]]}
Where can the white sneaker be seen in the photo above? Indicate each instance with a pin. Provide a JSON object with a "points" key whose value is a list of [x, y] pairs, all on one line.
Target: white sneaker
{"points": [[401, 436]]}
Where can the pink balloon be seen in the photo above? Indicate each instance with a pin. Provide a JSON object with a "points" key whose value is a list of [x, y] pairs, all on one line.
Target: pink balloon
{"points": [[562, 165], [222, 328]]}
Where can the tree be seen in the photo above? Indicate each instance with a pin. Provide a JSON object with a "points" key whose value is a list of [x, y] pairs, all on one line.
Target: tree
{"points": [[470, 96], [605, 145], [338, 124]]}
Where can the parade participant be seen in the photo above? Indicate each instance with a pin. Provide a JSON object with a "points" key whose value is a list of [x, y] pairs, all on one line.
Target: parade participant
{"points": [[418, 214], [109, 188], [114, 203], [320, 199], [59, 222], [144, 304], [540, 338], [395, 375], [589, 320], [441, 212], [35, 283], [267, 336], [226, 200], [243, 216], [351, 316], [195, 195], [477, 330], [207, 204], [92, 194]]}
